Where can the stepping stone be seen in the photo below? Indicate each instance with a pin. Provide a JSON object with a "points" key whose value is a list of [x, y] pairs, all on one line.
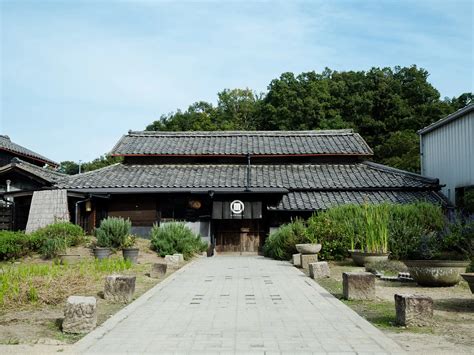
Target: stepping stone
{"points": [[297, 260], [319, 270], [158, 270], [119, 288], [307, 259], [358, 285], [80, 315], [413, 310]]}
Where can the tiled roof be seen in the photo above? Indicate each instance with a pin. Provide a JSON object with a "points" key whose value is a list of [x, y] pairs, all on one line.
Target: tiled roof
{"points": [[43, 173], [321, 200], [329, 142], [8, 145], [297, 176]]}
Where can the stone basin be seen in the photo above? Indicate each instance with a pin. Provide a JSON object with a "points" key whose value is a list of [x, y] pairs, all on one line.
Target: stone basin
{"points": [[308, 248]]}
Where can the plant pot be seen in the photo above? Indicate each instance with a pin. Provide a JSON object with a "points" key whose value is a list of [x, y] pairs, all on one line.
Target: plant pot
{"points": [[102, 253], [308, 248], [69, 258], [130, 254], [436, 273], [360, 258], [469, 277]]}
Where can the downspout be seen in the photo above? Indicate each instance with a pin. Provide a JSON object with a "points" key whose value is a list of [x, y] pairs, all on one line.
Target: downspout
{"points": [[421, 155]]}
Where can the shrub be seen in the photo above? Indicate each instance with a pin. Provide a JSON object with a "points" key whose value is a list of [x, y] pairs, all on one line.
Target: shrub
{"points": [[13, 245], [71, 233], [410, 225], [281, 244], [52, 247], [112, 232], [338, 229], [172, 238]]}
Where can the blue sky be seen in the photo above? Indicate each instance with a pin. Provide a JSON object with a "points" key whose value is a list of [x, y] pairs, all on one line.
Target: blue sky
{"points": [[75, 76]]}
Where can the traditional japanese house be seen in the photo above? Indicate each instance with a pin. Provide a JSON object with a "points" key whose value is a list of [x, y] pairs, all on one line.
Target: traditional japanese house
{"points": [[233, 187], [22, 172]]}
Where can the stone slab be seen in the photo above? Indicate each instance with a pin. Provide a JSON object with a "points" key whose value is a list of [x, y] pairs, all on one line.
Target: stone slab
{"points": [[297, 260], [319, 269], [158, 270], [172, 260], [119, 288], [413, 310], [358, 285], [307, 259], [80, 315]]}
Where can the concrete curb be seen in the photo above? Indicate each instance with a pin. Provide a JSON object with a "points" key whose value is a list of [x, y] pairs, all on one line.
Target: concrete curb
{"points": [[82, 345]]}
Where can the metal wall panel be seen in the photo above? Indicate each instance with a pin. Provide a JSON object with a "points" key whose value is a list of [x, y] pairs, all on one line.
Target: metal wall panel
{"points": [[448, 154]]}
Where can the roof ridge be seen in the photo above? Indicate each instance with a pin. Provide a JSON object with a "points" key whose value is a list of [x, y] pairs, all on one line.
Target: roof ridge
{"points": [[452, 116], [221, 133], [399, 171], [17, 160]]}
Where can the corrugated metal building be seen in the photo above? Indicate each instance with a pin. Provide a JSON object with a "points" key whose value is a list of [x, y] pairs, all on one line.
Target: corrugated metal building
{"points": [[447, 152]]}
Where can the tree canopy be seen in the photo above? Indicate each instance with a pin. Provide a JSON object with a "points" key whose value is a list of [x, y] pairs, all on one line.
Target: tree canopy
{"points": [[387, 106]]}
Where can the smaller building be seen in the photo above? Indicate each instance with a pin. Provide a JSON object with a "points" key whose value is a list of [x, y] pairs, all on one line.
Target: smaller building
{"points": [[22, 172], [447, 152]]}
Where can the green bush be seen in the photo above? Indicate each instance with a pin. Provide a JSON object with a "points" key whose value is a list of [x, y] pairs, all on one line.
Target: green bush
{"points": [[338, 229], [172, 238], [73, 234], [13, 245], [410, 225], [113, 232], [349, 227], [52, 247], [281, 244]]}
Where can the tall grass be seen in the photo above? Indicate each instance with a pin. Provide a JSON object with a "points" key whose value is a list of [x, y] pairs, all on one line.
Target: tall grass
{"points": [[375, 231], [21, 285]]}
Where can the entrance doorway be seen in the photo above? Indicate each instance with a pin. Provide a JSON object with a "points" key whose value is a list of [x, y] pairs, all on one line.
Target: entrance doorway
{"points": [[243, 236]]}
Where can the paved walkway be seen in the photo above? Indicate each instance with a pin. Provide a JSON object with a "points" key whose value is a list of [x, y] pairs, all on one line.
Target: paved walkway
{"points": [[237, 304]]}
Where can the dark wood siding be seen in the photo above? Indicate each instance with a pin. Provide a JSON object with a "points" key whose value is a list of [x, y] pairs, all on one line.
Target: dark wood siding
{"points": [[140, 209]]}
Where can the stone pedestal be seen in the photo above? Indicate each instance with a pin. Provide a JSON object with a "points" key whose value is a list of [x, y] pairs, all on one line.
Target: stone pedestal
{"points": [[172, 260], [319, 270], [413, 310], [307, 259], [180, 258], [358, 285], [119, 288], [80, 315], [297, 260], [158, 270]]}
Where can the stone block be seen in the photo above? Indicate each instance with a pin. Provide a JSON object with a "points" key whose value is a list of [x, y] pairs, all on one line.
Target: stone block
{"points": [[119, 288], [413, 310], [297, 260], [180, 257], [158, 270], [80, 315], [307, 259], [358, 285], [172, 260], [319, 270]]}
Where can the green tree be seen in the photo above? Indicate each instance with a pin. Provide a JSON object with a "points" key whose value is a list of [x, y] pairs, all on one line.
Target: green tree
{"points": [[68, 167]]}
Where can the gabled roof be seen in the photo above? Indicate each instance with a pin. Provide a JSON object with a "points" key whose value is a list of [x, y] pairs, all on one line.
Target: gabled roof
{"points": [[240, 143], [355, 176], [454, 116], [45, 174], [7, 145]]}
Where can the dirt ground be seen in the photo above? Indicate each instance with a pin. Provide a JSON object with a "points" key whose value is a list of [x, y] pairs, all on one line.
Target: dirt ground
{"points": [[37, 329], [452, 329]]}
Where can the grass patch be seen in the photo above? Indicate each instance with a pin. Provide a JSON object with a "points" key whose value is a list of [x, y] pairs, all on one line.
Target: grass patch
{"points": [[23, 285]]}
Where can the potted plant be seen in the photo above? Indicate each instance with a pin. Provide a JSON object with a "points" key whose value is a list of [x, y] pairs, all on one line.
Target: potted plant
{"points": [[310, 245], [128, 250], [374, 231], [111, 234], [439, 258]]}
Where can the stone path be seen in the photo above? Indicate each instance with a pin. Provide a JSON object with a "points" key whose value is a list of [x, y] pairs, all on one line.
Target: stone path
{"points": [[232, 304]]}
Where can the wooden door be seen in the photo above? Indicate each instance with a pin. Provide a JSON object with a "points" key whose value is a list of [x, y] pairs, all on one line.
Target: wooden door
{"points": [[241, 236]]}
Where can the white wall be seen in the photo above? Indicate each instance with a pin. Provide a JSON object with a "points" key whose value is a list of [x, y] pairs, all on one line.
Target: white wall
{"points": [[448, 154]]}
